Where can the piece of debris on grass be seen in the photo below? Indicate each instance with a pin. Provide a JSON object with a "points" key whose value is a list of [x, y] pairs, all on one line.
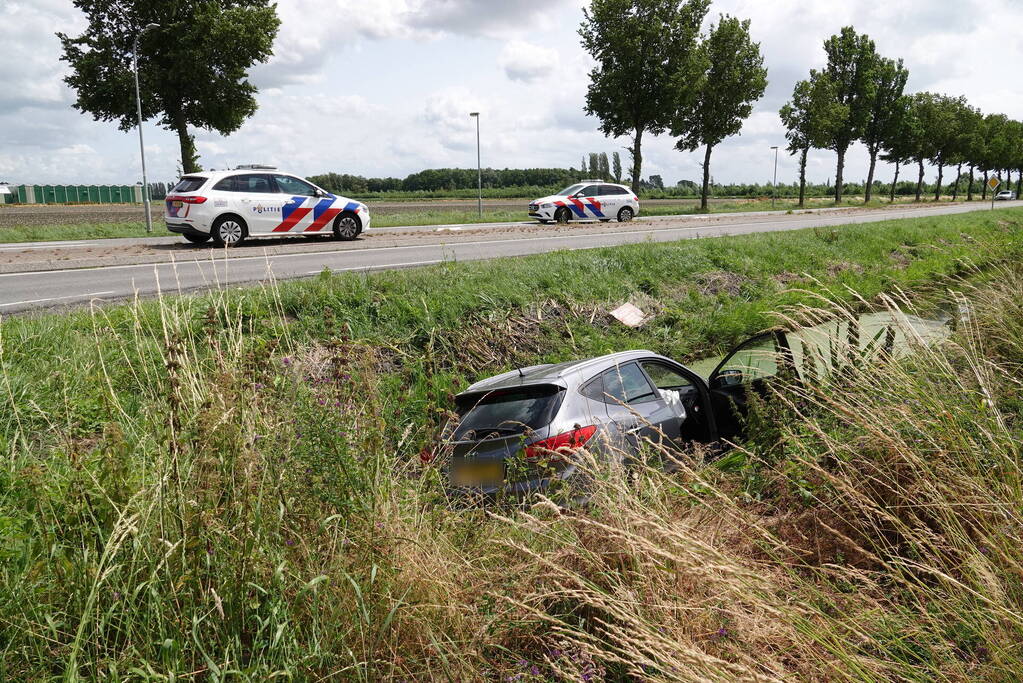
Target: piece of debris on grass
{"points": [[629, 315]]}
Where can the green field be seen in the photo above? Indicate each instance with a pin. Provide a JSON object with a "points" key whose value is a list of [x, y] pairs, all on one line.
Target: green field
{"points": [[227, 485]]}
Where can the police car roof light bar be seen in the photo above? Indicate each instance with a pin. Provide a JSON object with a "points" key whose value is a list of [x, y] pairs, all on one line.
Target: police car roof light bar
{"points": [[255, 167]]}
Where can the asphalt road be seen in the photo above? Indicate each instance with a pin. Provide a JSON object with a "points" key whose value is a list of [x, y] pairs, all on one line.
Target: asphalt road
{"points": [[162, 265]]}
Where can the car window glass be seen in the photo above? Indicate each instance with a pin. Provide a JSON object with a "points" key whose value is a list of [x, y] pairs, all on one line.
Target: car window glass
{"points": [[506, 411], [591, 191], [189, 184], [627, 384], [757, 359], [665, 377], [246, 182], [615, 190], [289, 185]]}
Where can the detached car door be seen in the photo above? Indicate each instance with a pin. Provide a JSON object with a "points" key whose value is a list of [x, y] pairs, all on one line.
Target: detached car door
{"points": [[750, 367]]}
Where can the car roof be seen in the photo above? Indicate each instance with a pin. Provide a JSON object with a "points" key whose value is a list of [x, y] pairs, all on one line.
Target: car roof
{"points": [[560, 374], [216, 175]]}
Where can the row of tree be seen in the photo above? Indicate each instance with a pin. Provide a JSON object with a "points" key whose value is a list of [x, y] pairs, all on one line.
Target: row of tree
{"points": [[859, 96], [656, 72]]}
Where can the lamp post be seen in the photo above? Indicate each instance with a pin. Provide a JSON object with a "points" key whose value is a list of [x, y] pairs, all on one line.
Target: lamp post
{"points": [[479, 165], [138, 109], [774, 183]]}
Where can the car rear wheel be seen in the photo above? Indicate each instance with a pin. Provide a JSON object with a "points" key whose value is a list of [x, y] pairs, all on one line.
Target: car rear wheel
{"points": [[561, 215], [347, 226], [229, 231], [197, 239], [625, 215]]}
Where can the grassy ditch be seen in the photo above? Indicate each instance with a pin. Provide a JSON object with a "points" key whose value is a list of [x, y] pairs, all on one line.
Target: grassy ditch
{"points": [[228, 484]]}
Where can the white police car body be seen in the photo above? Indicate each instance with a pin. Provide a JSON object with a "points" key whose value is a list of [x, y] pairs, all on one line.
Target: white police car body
{"points": [[258, 201], [590, 200]]}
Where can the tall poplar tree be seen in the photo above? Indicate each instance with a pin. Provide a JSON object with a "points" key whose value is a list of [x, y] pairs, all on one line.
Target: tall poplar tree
{"points": [[732, 77]]}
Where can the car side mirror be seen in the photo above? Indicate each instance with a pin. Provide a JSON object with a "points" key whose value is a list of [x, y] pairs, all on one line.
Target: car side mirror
{"points": [[728, 378]]}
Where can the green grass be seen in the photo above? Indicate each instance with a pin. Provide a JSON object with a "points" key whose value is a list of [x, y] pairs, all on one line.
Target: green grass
{"points": [[229, 482]]}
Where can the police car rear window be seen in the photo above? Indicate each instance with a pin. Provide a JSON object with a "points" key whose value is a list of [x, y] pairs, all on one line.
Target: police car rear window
{"points": [[189, 184]]}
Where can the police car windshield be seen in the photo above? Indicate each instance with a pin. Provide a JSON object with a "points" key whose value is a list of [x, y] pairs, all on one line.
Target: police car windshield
{"points": [[571, 190]]}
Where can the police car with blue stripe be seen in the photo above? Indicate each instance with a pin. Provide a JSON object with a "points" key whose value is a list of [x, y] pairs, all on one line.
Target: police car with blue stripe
{"points": [[258, 201], [590, 200]]}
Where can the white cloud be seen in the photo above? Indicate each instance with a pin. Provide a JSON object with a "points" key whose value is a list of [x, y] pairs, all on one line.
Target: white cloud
{"points": [[526, 62]]}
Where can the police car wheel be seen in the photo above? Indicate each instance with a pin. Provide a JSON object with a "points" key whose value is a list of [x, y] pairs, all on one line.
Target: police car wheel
{"points": [[561, 215], [228, 231], [347, 226], [625, 215], [197, 239]]}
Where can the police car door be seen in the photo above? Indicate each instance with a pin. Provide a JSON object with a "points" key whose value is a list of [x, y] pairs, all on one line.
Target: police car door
{"points": [[610, 200], [300, 200], [258, 201]]}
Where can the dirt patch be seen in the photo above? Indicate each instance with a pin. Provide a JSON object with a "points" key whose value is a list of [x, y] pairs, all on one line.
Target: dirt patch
{"points": [[900, 260], [786, 278], [721, 282], [839, 267]]}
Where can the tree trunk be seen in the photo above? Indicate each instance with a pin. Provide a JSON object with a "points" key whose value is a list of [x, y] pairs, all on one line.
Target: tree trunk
{"points": [[838, 175], [937, 188], [706, 179], [802, 176], [969, 192], [920, 180], [959, 176], [895, 182], [983, 195], [1019, 181], [189, 157], [868, 190], [637, 159]]}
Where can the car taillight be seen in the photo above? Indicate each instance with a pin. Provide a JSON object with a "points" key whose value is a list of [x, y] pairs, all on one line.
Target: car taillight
{"points": [[187, 200], [568, 441]]}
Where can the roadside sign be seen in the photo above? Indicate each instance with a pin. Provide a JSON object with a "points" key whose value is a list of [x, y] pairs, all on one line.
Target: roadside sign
{"points": [[993, 182]]}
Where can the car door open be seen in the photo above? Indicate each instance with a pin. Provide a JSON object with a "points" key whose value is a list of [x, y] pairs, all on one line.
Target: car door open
{"points": [[750, 367]]}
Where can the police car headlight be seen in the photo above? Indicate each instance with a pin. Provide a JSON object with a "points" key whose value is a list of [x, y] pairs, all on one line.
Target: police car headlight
{"points": [[546, 206]]}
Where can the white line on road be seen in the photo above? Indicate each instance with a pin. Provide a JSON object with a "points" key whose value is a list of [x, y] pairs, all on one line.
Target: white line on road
{"points": [[55, 245], [378, 267], [875, 217], [58, 298]]}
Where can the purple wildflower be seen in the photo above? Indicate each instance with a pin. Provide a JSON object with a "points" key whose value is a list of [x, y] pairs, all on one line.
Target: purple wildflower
{"points": [[290, 542], [534, 670], [286, 361]]}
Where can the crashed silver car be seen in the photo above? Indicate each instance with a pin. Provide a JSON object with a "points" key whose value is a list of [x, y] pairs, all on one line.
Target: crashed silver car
{"points": [[515, 433], [511, 433]]}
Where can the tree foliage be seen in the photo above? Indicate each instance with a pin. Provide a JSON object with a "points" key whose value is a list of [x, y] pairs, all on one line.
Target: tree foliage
{"points": [[812, 112], [887, 82], [640, 47], [193, 69], [713, 105]]}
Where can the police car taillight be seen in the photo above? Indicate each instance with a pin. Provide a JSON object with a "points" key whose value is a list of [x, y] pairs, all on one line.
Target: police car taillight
{"points": [[187, 200]]}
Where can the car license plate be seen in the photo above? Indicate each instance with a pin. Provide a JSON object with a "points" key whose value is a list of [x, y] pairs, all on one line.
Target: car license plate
{"points": [[177, 205], [477, 473]]}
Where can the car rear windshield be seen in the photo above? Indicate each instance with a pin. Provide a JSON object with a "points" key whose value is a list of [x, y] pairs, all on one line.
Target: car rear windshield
{"points": [[189, 184], [506, 412]]}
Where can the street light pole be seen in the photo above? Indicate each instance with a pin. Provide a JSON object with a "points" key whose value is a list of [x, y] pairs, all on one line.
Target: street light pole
{"points": [[774, 183], [479, 164], [138, 109]]}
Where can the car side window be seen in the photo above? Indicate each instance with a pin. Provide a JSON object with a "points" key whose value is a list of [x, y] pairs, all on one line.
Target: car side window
{"points": [[755, 360], [665, 377], [623, 384], [289, 185], [590, 191], [246, 182], [615, 190]]}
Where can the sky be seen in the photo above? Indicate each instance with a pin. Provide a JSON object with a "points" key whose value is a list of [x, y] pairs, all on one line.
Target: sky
{"points": [[385, 87]]}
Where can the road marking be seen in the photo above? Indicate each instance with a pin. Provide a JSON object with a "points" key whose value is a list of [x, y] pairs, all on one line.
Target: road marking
{"points": [[57, 298], [874, 218], [51, 246], [376, 267]]}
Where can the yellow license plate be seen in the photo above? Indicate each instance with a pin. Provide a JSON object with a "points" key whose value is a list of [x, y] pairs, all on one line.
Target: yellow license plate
{"points": [[177, 205], [477, 473]]}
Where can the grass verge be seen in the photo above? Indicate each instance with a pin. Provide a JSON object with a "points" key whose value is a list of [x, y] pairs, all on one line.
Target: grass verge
{"points": [[227, 485]]}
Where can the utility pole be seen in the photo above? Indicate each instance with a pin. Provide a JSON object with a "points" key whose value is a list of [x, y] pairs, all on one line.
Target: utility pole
{"points": [[479, 165], [142, 145], [774, 183]]}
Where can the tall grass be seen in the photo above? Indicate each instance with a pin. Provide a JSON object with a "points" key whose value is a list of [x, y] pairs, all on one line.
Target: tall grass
{"points": [[228, 488]]}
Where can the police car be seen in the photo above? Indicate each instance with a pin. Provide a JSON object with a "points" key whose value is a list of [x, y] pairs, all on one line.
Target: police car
{"points": [[258, 201], [588, 200]]}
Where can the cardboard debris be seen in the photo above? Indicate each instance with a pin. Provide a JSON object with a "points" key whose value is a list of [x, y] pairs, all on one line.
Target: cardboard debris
{"points": [[629, 315]]}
